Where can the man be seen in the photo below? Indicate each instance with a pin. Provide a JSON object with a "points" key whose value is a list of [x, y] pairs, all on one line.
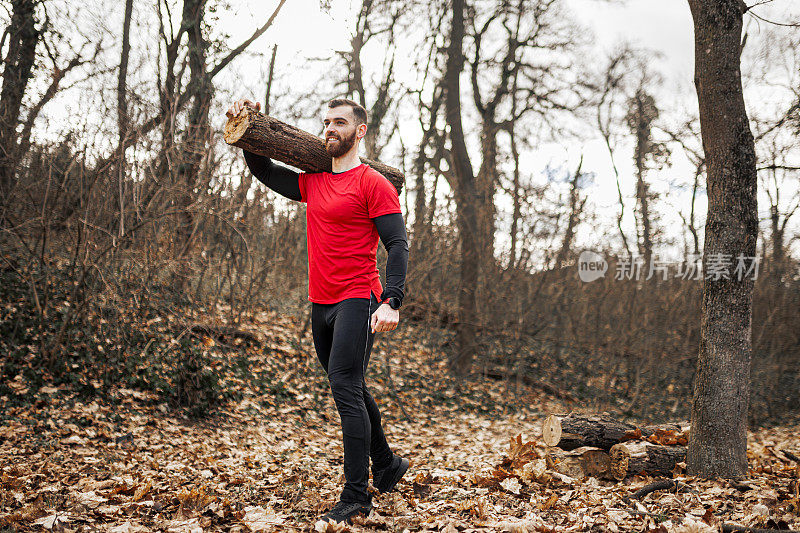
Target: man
{"points": [[348, 210]]}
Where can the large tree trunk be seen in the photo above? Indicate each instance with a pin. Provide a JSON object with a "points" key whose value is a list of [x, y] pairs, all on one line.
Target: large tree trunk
{"points": [[718, 441], [466, 329], [263, 135], [23, 37]]}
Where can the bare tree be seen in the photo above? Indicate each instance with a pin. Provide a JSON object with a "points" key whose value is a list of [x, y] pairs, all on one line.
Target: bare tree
{"points": [[23, 38], [718, 442], [507, 73], [466, 191], [610, 87], [516, 200], [687, 136], [776, 130], [642, 113], [269, 79], [122, 110], [195, 142], [577, 202], [376, 19], [432, 137], [171, 99], [774, 176]]}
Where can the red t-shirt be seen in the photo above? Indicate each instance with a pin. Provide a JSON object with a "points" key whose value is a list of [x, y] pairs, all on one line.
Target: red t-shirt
{"points": [[342, 238]]}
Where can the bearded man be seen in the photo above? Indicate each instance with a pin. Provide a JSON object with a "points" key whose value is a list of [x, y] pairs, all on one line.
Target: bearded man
{"points": [[348, 210]]}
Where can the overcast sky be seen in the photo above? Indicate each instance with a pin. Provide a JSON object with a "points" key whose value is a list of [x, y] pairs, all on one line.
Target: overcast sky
{"points": [[303, 31]]}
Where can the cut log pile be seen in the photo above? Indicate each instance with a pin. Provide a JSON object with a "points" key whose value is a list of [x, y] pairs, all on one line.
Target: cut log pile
{"points": [[579, 463], [634, 457], [602, 447], [268, 136]]}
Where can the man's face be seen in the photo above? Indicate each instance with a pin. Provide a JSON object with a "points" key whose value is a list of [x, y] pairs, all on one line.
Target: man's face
{"points": [[340, 130]]}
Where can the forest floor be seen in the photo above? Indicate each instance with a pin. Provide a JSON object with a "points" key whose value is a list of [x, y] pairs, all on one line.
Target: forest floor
{"points": [[273, 462]]}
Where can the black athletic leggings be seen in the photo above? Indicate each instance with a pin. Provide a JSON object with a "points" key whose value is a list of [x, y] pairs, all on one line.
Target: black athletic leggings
{"points": [[343, 340]]}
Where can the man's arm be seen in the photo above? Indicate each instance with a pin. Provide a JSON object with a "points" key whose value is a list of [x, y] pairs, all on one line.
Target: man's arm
{"points": [[280, 179], [392, 231]]}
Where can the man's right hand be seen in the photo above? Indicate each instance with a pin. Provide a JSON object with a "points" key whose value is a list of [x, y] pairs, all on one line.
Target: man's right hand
{"points": [[238, 105]]}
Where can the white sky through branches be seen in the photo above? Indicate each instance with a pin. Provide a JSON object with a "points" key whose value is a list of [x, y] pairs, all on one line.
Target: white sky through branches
{"points": [[662, 27], [308, 38]]}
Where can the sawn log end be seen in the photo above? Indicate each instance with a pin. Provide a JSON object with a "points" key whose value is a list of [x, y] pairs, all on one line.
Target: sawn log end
{"points": [[236, 126]]}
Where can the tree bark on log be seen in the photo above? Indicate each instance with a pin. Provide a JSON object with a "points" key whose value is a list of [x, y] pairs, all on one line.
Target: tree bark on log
{"points": [[267, 136], [637, 457], [581, 462], [572, 431]]}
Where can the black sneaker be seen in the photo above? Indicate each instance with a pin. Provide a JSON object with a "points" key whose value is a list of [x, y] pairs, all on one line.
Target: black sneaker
{"points": [[344, 511], [386, 479]]}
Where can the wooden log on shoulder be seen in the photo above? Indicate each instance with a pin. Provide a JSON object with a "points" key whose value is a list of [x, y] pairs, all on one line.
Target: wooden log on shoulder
{"points": [[267, 136], [581, 462], [637, 457]]}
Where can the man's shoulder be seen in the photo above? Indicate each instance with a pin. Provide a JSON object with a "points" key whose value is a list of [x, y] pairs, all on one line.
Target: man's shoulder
{"points": [[371, 174], [370, 171], [312, 174]]}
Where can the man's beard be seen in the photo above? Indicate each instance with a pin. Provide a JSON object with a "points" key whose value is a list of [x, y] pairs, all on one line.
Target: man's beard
{"points": [[341, 147]]}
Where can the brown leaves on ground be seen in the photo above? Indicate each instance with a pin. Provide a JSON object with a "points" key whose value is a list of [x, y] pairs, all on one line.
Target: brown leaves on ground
{"points": [[132, 465], [244, 473], [669, 437]]}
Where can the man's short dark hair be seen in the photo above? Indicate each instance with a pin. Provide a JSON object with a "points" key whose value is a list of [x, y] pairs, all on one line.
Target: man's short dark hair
{"points": [[359, 112]]}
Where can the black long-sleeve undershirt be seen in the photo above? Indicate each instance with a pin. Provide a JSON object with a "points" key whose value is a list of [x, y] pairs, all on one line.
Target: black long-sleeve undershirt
{"points": [[391, 227], [279, 178], [392, 231]]}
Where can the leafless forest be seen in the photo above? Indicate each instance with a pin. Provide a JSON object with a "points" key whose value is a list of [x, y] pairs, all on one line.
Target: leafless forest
{"points": [[140, 255]]}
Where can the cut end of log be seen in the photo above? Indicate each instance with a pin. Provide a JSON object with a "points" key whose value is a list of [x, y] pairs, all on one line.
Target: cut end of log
{"points": [[620, 459], [551, 430], [582, 462], [596, 461], [236, 126]]}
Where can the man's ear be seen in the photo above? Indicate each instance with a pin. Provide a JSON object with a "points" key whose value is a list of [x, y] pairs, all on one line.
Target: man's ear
{"points": [[361, 131]]}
